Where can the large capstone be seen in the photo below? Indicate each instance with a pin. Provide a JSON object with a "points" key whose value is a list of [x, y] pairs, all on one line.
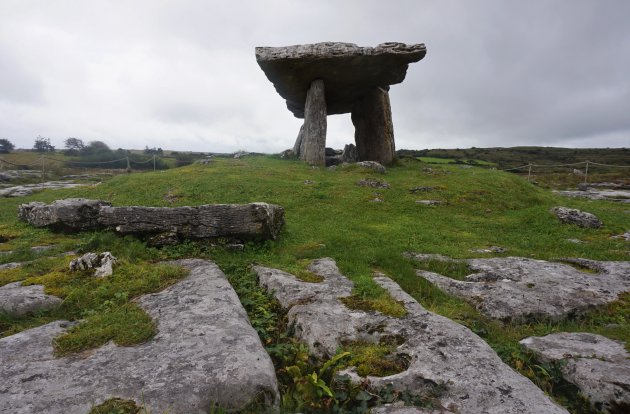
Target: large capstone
{"points": [[205, 353], [352, 79]]}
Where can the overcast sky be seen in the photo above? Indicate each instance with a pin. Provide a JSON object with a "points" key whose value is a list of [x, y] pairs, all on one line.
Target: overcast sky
{"points": [[182, 74]]}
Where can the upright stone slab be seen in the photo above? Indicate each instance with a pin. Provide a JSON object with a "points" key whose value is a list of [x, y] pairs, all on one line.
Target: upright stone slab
{"points": [[313, 147], [374, 130], [297, 147]]}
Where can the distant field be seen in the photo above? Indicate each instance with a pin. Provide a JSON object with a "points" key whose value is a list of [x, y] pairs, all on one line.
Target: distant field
{"points": [[434, 160]]}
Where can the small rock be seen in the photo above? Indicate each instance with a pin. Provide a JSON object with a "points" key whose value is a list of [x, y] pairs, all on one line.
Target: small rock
{"points": [[18, 300], [625, 236], [429, 202], [421, 189], [287, 154], [577, 217], [577, 172], [376, 200], [491, 249], [370, 182], [332, 168], [102, 263], [598, 366], [576, 241], [308, 182], [372, 165]]}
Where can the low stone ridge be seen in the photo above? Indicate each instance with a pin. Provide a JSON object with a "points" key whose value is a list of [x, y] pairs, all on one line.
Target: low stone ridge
{"points": [[577, 217], [18, 300], [244, 221], [349, 71], [521, 289], [598, 366], [443, 355], [205, 352], [28, 189]]}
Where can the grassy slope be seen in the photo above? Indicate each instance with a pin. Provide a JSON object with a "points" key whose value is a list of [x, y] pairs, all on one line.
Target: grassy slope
{"points": [[334, 217]]}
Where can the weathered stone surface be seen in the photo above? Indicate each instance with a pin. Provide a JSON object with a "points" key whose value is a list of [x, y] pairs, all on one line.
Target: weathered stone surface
{"points": [[349, 71], [373, 128], [621, 196], [598, 366], [372, 165], [297, 147], [74, 214], [18, 300], [205, 351], [28, 189], [371, 182], [102, 263], [443, 354], [429, 202], [313, 145], [244, 221], [520, 289], [350, 154], [577, 217]]}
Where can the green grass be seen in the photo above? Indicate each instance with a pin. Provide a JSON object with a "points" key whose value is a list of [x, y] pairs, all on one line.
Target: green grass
{"points": [[332, 217]]}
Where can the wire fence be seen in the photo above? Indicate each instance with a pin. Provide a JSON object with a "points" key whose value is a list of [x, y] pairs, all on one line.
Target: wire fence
{"points": [[530, 167]]}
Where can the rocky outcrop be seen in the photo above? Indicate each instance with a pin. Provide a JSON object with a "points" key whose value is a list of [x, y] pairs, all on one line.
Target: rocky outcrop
{"points": [[356, 79], [18, 300], [577, 217], [445, 358], [598, 366], [521, 289], [350, 154], [257, 221], [205, 352], [371, 182], [28, 189]]}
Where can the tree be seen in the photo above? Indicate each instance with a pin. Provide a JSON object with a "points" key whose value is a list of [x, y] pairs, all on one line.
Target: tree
{"points": [[95, 147], [73, 146], [151, 151], [6, 146], [42, 144]]}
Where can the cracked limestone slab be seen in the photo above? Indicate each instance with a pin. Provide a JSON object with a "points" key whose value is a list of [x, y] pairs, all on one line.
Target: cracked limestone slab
{"points": [[18, 300], [205, 352], [446, 359], [598, 366], [521, 289]]}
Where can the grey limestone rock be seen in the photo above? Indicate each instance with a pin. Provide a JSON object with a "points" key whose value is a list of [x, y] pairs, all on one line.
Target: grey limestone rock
{"points": [[598, 366], [349, 71], [577, 217], [373, 127], [371, 182], [257, 221], [350, 154], [18, 300], [520, 289], [102, 263], [74, 214], [429, 202], [313, 142], [444, 357], [205, 352], [28, 189], [372, 165]]}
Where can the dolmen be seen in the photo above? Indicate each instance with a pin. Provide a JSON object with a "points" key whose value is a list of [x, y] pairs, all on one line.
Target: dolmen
{"points": [[329, 78]]}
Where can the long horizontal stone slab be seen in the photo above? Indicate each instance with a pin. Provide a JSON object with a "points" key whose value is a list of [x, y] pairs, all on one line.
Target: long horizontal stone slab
{"points": [[244, 221], [445, 358], [205, 352], [521, 289], [348, 71]]}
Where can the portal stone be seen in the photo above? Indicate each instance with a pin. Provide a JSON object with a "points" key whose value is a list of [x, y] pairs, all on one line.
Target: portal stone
{"points": [[373, 128], [313, 147]]}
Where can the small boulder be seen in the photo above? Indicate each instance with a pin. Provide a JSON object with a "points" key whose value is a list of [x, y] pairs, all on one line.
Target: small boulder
{"points": [[577, 217], [598, 366], [429, 202], [102, 263], [350, 154], [372, 165], [371, 182]]}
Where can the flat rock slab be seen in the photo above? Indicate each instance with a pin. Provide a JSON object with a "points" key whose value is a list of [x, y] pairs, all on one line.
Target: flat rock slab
{"points": [[598, 366], [205, 352], [622, 196], [28, 189], [445, 358], [520, 289], [577, 217], [348, 71], [18, 300], [258, 221]]}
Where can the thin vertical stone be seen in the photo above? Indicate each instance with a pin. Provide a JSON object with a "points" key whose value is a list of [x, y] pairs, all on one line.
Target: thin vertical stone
{"points": [[313, 146]]}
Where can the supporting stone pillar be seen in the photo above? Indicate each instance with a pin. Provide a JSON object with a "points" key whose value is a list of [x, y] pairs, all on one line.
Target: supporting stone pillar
{"points": [[373, 128], [313, 145], [297, 148]]}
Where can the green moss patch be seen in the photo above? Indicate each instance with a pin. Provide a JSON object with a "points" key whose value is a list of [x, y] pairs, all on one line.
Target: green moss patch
{"points": [[116, 406], [378, 360]]}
